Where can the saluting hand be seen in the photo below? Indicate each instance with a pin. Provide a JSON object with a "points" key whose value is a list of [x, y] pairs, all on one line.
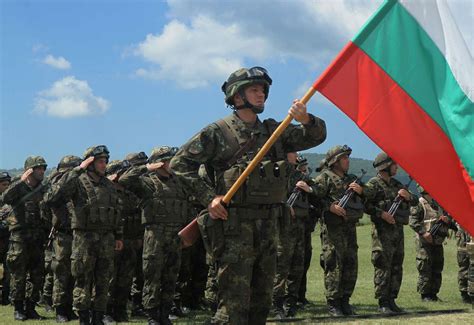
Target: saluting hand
{"points": [[154, 166], [86, 162], [26, 174]]}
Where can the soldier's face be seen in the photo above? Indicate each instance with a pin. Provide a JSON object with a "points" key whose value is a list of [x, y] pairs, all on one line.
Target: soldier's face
{"points": [[255, 94], [100, 164], [291, 157], [393, 169], [344, 163], [38, 173], [4, 186]]}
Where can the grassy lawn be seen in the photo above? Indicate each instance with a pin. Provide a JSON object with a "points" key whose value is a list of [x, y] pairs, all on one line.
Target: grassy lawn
{"points": [[363, 298]]}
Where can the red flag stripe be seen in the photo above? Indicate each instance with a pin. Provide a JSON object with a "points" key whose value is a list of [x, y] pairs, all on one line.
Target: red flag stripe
{"points": [[393, 120]]}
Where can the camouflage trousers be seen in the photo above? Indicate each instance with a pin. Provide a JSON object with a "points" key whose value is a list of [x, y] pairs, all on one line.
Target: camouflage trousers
{"points": [[137, 283], [192, 275], [6, 274], [48, 275], [430, 263], [290, 262], [92, 266], [463, 262], [161, 261], [61, 265], [25, 260], [339, 259], [309, 227], [125, 265], [388, 252], [210, 293], [246, 267]]}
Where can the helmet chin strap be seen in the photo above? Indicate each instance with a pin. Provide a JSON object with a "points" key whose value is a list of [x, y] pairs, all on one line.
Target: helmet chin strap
{"points": [[247, 104]]}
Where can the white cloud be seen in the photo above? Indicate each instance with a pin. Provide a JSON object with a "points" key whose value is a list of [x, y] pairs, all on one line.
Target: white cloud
{"points": [[70, 97], [194, 55], [205, 40], [58, 63]]}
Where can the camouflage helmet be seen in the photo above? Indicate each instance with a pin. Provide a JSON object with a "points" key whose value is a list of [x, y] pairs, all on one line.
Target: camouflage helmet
{"points": [[98, 151], [244, 77], [335, 153], [117, 166], [35, 161], [163, 153], [137, 158], [5, 176], [382, 161], [69, 161]]}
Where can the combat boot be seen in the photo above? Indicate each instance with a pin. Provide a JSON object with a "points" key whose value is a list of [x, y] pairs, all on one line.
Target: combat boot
{"points": [[31, 312], [277, 309], [120, 314], [19, 313], [70, 313], [334, 307], [347, 308], [61, 315], [290, 307], [153, 316], [394, 307], [466, 298], [97, 317], [165, 315], [84, 317], [384, 307], [138, 311]]}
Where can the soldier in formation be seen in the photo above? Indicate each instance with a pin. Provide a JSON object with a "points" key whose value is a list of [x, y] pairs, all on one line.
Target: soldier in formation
{"points": [[339, 194], [5, 180], [244, 244], [388, 246], [431, 225], [28, 232]]}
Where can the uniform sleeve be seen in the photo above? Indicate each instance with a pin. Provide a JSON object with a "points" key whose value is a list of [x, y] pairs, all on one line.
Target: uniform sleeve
{"points": [[302, 137], [201, 149], [134, 180], [13, 193], [67, 186], [320, 187], [371, 196], [417, 219]]}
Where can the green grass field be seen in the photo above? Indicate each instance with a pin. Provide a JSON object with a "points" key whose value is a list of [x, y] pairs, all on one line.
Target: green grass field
{"points": [[363, 297]]}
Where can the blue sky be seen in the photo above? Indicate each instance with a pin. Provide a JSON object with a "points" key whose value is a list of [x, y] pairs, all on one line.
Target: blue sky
{"points": [[138, 74]]}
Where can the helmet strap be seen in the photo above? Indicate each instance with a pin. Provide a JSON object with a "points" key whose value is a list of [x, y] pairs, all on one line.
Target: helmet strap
{"points": [[247, 104]]}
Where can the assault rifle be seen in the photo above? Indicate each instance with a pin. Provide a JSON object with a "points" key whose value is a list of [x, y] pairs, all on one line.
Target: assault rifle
{"points": [[397, 201], [350, 192], [295, 194], [53, 232]]}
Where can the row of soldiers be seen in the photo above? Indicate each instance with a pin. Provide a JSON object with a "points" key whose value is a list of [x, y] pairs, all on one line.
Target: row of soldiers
{"points": [[97, 209]]}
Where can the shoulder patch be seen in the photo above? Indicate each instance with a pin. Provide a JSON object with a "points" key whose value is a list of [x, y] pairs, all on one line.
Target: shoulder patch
{"points": [[195, 146]]}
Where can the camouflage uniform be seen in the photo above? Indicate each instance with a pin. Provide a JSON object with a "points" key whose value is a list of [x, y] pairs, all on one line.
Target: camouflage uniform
{"points": [[309, 227], [126, 259], [429, 257], [96, 224], [338, 236], [465, 265], [244, 246], [25, 258], [165, 211], [290, 251], [388, 249], [4, 235], [193, 271], [61, 210]]}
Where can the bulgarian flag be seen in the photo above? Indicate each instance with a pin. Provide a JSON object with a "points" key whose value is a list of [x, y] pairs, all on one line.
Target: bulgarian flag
{"points": [[406, 80]]}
